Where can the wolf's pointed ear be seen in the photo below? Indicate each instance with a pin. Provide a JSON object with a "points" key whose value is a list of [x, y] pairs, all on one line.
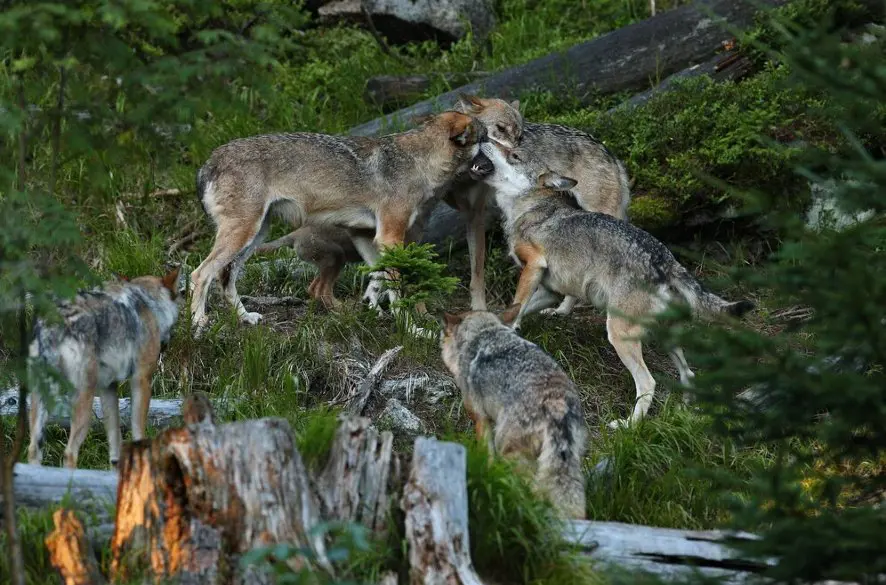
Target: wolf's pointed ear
{"points": [[516, 105], [470, 103], [450, 322], [557, 182], [510, 314], [170, 281]]}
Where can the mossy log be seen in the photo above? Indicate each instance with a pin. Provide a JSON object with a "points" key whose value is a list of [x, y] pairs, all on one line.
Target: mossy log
{"points": [[625, 59]]}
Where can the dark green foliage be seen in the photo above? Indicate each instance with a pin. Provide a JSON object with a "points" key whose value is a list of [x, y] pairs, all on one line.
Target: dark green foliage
{"points": [[820, 409], [746, 134], [417, 277], [509, 522]]}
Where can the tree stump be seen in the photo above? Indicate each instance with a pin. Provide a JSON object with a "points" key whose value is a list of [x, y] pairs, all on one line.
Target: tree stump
{"points": [[193, 500], [356, 482], [70, 552], [435, 500]]}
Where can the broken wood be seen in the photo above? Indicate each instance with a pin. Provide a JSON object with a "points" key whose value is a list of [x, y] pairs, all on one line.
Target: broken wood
{"points": [[193, 500], [355, 484], [37, 486], [666, 552], [385, 91], [435, 500], [272, 301], [70, 552], [622, 60], [372, 380], [162, 412]]}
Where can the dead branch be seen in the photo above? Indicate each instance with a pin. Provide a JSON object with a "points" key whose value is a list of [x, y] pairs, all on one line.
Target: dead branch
{"points": [[372, 380]]}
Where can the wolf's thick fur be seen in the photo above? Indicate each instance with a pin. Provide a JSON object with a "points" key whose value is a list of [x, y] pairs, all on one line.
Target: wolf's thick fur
{"points": [[531, 402], [593, 257], [108, 335], [603, 184], [380, 184]]}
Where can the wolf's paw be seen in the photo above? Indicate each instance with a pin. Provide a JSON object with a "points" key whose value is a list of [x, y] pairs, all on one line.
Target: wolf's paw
{"points": [[199, 326], [251, 318], [621, 423], [556, 312]]}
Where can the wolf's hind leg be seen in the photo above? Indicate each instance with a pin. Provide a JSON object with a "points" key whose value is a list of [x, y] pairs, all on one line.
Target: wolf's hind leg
{"points": [[231, 238], [111, 419], [231, 272], [81, 416], [625, 338]]}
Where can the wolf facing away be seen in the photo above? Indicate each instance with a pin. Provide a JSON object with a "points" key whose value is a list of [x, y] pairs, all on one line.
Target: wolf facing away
{"points": [[108, 335], [514, 386], [602, 181], [383, 185], [591, 256]]}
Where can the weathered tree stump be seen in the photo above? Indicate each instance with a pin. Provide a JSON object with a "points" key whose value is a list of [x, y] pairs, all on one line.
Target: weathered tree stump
{"points": [[70, 552], [193, 500], [355, 485], [435, 500]]}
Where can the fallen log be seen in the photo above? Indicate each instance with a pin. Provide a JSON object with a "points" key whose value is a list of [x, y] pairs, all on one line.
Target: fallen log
{"points": [[70, 552], [622, 60], [355, 485], [666, 552], [193, 500], [372, 380], [385, 91], [435, 500], [37, 486], [162, 412]]}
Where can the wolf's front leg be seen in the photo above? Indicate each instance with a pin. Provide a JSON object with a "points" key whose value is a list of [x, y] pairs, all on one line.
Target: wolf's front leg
{"points": [[565, 307], [38, 416], [534, 265], [369, 252], [141, 398]]}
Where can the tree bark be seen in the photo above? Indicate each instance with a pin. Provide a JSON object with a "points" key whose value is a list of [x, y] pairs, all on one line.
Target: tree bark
{"points": [[357, 483], [624, 59], [435, 500], [193, 500], [70, 552]]}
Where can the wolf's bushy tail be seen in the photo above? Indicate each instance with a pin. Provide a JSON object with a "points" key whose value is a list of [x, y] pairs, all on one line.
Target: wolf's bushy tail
{"points": [[559, 473], [201, 181], [703, 301]]}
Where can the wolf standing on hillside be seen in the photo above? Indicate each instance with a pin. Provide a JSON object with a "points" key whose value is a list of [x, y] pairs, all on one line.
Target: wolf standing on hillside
{"points": [[107, 335], [602, 181], [593, 257], [381, 184], [514, 385]]}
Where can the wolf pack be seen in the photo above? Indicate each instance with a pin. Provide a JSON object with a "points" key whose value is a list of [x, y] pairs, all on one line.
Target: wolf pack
{"points": [[563, 198]]}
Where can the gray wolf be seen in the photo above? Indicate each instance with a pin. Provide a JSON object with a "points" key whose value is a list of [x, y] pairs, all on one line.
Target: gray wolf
{"points": [[383, 185], [597, 258], [513, 385], [602, 181], [107, 335]]}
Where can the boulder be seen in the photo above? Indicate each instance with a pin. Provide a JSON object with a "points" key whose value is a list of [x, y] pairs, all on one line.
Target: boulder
{"points": [[400, 419], [404, 21]]}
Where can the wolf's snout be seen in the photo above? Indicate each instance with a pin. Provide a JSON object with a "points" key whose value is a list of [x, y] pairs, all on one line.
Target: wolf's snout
{"points": [[481, 167]]}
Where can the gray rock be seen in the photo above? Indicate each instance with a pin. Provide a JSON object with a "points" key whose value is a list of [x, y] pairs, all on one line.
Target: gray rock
{"points": [[400, 419], [420, 386], [825, 211], [403, 21]]}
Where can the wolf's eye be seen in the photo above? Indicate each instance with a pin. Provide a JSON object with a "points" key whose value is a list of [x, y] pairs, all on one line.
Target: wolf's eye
{"points": [[514, 157], [501, 128]]}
